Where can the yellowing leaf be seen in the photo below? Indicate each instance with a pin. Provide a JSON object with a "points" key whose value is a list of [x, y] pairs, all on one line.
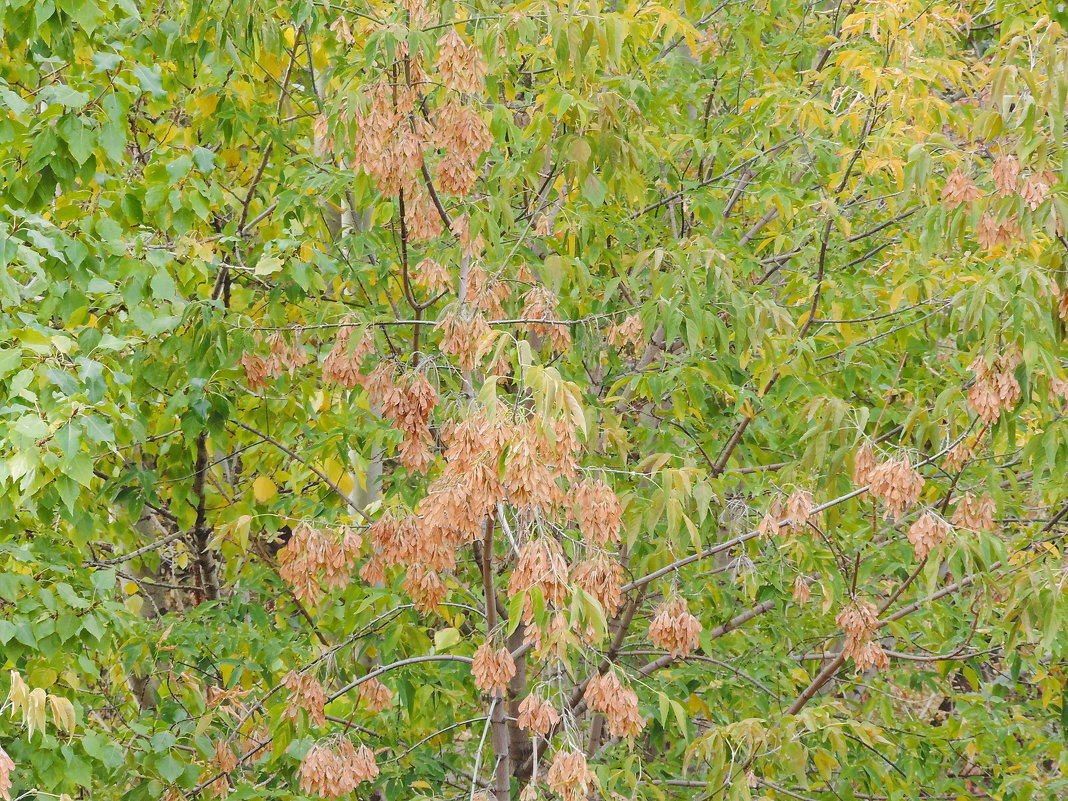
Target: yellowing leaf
{"points": [[264, 489]]}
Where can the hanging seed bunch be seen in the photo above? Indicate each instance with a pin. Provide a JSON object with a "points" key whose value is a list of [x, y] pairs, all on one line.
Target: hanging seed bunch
{"points": [[421, 216], [470, 246], [432, 275], [864, 463], [391, 539], [769, 523], [420, 13], [960, 188], [799, 509], [460, 65], [569, 776], [407, 402], [1035, 189], [957, 456], [618, 703], [528, 471], [802, 589], [306, 695], [992, 232], [462, 135], [375, 695], [425, 587], [602, 577], [255, 367], [859, 620], [539, 303], [674, 629], [627, 336], [332, 772], [897, 484], [7, 764], [975, 514], [486, 293], [927, 533], [343, 362], [541, 564], [313, 558], [1006, 174], [995, 388], [536, 715], [283, 357], [492, 669], [223, 762], [465, 336], [599, 512], [454, 510]]}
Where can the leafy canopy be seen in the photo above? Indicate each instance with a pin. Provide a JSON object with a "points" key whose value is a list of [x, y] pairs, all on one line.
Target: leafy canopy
{"points": [[589, 399]]}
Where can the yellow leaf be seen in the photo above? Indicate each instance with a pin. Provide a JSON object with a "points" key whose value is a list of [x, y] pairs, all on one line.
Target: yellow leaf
{"points": [[264, 489], [34, 716], [207, 103], [134, 604], [62, 712]]}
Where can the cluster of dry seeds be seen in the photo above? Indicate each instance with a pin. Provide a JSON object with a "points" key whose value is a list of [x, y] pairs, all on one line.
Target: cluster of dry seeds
{"points": [[617, 702], [313, 558], [927, 533], [539, 303], [492, 669], [627, 336], [602, 577], [674, 628], [7, 764], [281, 358], [570, 776], [897, 484], [332, 772], [305, 694], [536, 715], [995, 388], [375, 695], [859, 620], [976, 514], [343, 362], [599, 511]]}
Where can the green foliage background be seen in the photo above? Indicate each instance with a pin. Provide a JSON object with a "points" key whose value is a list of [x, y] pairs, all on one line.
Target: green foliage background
{"points": [[759, 182]]}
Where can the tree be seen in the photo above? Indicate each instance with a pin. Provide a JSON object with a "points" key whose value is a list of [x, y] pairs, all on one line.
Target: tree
{"points": [[532, 399]]}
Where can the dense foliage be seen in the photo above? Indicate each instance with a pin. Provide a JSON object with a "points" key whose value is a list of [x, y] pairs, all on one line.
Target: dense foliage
{"points": [[533, 399]]}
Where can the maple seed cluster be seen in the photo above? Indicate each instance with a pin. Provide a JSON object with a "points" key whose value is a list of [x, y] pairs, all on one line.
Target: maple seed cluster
{"points": [[618, 703], [536, 715], [897, 484], [601, 577], [492, 669], [375, 695], [313, 559], [627, 336], [224, 763], [975, 514], [343, 362], [7, 764], [859, 620], [406, 401], [570, 776], [281, 358], [927, 533], [334, 772], [674, 629], [307, 694], [540, 304], [995, 388], [599, 512]]}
